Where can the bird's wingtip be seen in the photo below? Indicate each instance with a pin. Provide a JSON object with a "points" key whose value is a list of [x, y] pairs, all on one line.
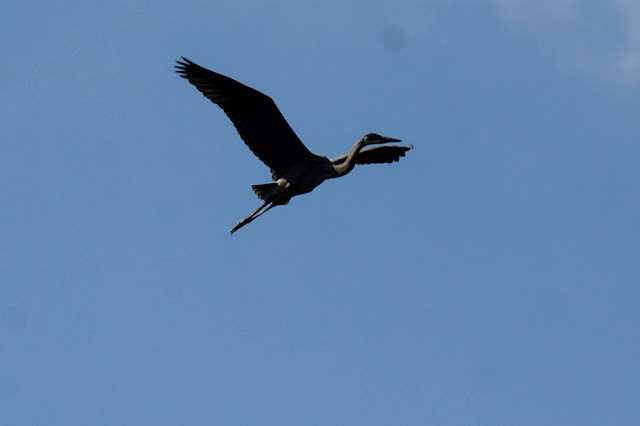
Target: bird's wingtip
{"points": [[184, 62]]}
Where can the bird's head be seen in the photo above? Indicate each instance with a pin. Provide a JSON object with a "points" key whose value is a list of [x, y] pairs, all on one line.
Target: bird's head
{"points": [[375, 139]]}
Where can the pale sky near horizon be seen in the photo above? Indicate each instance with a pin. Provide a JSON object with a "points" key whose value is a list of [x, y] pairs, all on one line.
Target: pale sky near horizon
{"points": [[488, 278]]}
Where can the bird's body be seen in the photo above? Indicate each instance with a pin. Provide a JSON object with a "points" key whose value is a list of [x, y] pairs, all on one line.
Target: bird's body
{"points": [[294, 168]]}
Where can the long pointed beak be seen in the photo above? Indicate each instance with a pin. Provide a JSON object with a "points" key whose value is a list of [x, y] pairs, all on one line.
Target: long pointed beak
{"points": [[386, 139]]}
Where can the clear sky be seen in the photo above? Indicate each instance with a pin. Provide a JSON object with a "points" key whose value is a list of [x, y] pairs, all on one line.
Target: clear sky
{"points": [[491, 277]]}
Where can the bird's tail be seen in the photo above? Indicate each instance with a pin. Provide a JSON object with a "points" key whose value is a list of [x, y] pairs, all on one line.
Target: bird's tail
{"points": [[263, 190]]}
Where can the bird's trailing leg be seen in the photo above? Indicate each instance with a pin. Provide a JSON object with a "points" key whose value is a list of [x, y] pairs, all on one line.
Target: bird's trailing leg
{"points": [[253, 215]]}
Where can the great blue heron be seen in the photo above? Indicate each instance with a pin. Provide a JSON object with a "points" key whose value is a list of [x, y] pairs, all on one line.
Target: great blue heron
{"points": [[262, 127]]}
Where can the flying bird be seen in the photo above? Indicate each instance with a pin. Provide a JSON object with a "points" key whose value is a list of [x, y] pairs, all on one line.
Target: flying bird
{"points": [[294, 169]]}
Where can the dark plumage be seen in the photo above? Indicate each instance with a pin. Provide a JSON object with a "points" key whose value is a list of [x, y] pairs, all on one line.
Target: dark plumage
{"points": [[265, 131], [376, 155]]}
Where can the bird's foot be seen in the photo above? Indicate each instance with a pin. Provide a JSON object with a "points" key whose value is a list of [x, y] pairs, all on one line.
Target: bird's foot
{"points": [[240, 224]]}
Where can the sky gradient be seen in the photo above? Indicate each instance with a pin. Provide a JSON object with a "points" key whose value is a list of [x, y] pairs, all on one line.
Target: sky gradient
{"points": [[488, 278]]}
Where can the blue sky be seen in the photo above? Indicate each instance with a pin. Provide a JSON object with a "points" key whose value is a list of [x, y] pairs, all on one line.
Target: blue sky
{"points": [[489, 278]]}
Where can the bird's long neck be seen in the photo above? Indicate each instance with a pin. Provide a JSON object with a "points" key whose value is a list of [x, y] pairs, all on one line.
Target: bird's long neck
{"points": [[350, 162]]}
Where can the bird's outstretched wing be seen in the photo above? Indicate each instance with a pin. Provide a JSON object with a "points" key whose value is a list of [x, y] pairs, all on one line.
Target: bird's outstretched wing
{"points": [[256, 117], [376, 155]]}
